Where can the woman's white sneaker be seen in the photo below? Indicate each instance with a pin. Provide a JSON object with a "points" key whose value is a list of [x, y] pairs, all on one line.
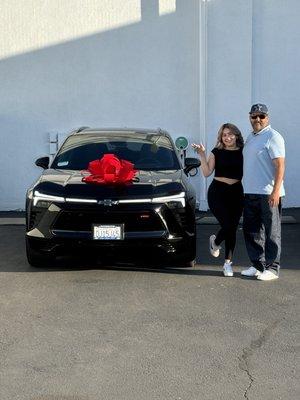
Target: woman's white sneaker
{"points": [[251, 271], [213, 248], [227, 269]]}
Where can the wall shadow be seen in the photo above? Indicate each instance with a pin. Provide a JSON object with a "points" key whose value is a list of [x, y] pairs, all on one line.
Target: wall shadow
{"points": [[140, 75]]}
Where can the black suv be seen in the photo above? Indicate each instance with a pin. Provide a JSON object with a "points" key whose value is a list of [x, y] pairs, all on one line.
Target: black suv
{"points": [[151, 220]]}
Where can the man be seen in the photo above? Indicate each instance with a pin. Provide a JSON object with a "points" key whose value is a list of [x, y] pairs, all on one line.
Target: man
{"points": [[264, 155]]}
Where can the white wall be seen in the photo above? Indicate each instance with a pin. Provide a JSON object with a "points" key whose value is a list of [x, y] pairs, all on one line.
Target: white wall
{"points": [[254, 56], [276, 78], [229, 62], [98, 63], [183, 65]]}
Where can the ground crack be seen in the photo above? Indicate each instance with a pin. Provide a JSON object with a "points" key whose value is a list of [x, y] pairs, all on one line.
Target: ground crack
{"points": [[244, 366], [249, 351]]}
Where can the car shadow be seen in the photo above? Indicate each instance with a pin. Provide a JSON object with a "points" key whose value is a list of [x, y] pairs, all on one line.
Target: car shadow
{"points": [[68, 264], [13, 257]]}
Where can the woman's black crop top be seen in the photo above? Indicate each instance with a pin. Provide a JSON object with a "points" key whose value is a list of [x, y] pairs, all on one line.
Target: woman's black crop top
{"points": [[228, 163]]}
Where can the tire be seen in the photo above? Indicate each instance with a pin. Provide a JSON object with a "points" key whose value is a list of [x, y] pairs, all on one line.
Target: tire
{"points": [[181, 263], [38, 259], [186, 264], [190, 264]]}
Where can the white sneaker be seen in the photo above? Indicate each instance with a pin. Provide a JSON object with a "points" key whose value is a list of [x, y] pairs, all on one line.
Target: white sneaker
{"points": [[251, 271], [213, 248], [227, 269], [267, 275]]}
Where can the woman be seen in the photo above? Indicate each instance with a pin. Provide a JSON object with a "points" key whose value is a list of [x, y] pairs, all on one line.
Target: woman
{"points": [[225, 194]]}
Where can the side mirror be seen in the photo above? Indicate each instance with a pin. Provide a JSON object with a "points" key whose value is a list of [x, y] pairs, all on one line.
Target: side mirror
{"points": [[191, 163], [42, 162]]}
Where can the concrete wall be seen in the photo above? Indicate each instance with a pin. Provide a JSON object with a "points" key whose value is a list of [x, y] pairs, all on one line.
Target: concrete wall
{"points": [[65, 64], [186, 66], [276, 79], [254, 56]]}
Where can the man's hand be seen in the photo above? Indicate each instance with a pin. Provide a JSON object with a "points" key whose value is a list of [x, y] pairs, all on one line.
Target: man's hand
{"points": [[274, 199]]}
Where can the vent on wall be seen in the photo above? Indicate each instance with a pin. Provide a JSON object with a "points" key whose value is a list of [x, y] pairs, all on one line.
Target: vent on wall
{"points": [[55, 141]]}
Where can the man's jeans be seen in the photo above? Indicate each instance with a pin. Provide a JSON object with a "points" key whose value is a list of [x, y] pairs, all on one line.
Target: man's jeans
{"points": [[262, 231]]}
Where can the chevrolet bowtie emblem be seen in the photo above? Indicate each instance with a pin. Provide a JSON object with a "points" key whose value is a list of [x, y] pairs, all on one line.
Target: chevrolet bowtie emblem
{"points": [[108, 202]]}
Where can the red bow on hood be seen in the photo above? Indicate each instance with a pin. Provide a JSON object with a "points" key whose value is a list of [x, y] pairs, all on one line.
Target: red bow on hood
{"points": [[110, 169]]}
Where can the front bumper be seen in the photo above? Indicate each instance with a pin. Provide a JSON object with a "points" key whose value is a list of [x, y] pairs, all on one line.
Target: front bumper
{"points": [[155, 232]]}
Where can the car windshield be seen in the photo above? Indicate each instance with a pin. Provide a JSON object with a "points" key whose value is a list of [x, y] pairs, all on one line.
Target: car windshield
{"points": [[146, 152]]}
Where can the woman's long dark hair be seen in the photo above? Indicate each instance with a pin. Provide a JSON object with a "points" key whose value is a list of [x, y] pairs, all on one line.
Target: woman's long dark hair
{"points": [[235, 130]]}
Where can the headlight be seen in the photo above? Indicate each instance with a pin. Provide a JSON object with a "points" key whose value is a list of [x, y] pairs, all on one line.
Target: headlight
{"points": [[176, 198], [45, 200]]}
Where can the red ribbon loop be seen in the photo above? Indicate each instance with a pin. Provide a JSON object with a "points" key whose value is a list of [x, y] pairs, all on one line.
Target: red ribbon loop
{"points": [[110, 169]]}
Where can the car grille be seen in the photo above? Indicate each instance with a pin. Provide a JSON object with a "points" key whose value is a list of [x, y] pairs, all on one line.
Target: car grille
{"points": [[83, 220]]}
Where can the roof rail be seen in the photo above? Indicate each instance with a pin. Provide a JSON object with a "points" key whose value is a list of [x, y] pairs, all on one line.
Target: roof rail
{"points": [[161, 131], [82, 128]]}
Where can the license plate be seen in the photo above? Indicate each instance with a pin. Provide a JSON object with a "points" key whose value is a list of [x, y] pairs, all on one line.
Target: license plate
{"points": [[108, 232]]}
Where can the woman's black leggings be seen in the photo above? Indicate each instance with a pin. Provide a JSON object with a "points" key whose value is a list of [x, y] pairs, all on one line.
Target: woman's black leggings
{"points": [[226, 203]]}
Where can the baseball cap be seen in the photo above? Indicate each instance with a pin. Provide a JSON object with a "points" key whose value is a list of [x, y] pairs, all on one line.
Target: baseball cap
{"points": [[259, 108]]}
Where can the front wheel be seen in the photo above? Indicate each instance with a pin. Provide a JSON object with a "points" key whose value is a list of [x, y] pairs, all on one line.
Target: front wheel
{"points": [[36, 258], [190, 264], [186, 264]]}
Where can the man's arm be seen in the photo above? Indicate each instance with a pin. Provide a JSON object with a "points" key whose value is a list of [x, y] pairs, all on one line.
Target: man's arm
{"points": [[279, 174]]}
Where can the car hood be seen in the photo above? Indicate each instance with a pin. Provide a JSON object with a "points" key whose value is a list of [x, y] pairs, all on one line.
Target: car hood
{"points": [[68, 183]]}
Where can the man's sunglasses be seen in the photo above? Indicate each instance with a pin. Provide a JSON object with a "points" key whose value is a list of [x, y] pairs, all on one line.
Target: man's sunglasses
{"points": [[260, 116]]}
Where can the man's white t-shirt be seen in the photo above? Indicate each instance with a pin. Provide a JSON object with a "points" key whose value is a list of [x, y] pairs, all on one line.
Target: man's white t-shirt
{"points": [[259, 170]]}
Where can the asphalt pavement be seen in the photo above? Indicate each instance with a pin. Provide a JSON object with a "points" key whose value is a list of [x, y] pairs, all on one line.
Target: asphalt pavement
{"points": [[86, 332]]}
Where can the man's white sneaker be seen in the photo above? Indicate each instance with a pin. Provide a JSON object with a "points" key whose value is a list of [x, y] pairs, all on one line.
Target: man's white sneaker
{"points": [[227, 269], [251, 271], [213, 248], [267, 275]]}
